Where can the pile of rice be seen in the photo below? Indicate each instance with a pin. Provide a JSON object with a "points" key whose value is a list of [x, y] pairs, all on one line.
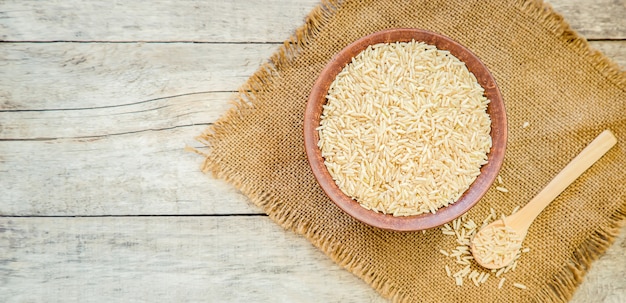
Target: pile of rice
{"points": [[497, 244], [461, 267], [405, 130]]}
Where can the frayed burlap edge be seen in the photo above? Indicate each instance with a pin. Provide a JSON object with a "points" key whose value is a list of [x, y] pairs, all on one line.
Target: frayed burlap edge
{"points": [[244, 101], [572, 274], [545, 14], [565, 281]]}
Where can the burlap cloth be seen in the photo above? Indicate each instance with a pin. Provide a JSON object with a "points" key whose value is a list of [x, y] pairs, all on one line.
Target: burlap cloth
{"points": [[549, 77]]}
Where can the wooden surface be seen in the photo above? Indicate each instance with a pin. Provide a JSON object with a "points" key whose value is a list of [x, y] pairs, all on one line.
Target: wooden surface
{"points": [[98, 199]]}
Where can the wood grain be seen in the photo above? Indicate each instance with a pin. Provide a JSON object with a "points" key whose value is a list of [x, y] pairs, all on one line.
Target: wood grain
{"points": [[167, 259], [46, 76], [605, 281], [159, 20], [94, 75], [222, 21], [608, 21], [615, 50], [98, 121], [197, 259], [137, 173], [97, 130], [105, 134]]}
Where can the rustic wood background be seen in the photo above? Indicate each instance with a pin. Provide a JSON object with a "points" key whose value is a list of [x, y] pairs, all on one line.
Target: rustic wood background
{"points": [[99, 201]]}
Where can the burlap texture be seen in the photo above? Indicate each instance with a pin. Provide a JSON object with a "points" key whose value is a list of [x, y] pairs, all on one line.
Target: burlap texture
{"points": [[548, 76]]}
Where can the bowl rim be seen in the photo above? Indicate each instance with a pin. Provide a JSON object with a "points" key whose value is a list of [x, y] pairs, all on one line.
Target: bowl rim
{"points": [[477, 189]]}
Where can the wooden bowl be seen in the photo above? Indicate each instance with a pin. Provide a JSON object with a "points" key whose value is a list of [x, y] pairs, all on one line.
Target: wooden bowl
{"points": [[477, 189]]}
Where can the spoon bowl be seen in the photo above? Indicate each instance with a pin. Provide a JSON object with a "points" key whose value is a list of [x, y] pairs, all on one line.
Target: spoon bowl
{"points": [[515, 227], [491, 254]]}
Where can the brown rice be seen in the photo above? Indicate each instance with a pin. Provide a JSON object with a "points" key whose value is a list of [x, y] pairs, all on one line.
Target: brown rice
{"points": [[405, 129]]}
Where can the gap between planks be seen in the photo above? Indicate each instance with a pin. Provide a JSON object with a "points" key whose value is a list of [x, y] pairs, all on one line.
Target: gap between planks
{"points": [[136, 216]]}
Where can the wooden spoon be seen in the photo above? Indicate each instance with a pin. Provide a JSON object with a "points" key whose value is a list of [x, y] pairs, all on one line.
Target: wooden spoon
{"points": [[519, 222]]}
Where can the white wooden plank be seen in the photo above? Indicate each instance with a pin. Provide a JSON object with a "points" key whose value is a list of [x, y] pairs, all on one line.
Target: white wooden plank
{"points": [[605, 280], [616, 50], [197, 259], [166, 259], [124, 160], [155, 114], [594, 19], [85, 75], [130, 166], [38, 76], [142, 173], [161, 20], [221, 21]]}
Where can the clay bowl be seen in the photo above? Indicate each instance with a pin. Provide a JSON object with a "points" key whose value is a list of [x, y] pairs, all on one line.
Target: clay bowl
{"points": [[472, 195]]}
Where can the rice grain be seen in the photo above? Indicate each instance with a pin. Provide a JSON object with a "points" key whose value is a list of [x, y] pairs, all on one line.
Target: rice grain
{"points": [[399, 148], [462, 257], [519, 285]]}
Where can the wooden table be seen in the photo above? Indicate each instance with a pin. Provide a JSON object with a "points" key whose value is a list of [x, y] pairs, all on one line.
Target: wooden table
{"points": [[100, 202]]}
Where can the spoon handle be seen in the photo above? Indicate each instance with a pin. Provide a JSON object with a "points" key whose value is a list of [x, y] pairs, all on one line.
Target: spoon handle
{"points": [[592, 153]]}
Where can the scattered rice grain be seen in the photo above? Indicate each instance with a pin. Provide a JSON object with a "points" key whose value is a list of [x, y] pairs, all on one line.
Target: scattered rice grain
{"points": [[515, 209], [484, 279], [520, 285], [475, 280], [500, 272], [474, 274], [464, 229]]}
